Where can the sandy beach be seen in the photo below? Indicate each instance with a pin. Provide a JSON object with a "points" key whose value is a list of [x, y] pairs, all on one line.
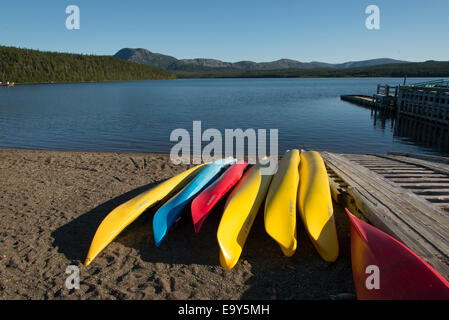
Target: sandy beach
{"points": [[51, 203]]}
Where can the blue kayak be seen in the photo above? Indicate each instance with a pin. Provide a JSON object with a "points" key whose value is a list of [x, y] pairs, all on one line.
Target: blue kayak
{"points": [[170, 212]]}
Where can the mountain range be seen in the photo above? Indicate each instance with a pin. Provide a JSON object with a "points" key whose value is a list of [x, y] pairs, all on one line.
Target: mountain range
{"points": [[144, 56]]}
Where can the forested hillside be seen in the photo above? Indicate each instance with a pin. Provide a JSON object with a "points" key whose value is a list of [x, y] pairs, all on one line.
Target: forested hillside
{"points": [[410, 69], [25, 65]]}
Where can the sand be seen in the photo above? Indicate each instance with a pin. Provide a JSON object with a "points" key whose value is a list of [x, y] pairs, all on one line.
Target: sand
{"points": [[51, 203]]}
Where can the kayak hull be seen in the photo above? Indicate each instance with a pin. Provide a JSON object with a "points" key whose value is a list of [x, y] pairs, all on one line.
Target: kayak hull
{"points": [[240, 211], [280, 205], [207, 199], [171, 211], [402, 275], [315, 205], [122, 216]]}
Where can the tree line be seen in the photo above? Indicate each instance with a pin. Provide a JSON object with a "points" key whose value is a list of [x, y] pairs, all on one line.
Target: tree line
{"points": [[33, 66], [411, 69]]}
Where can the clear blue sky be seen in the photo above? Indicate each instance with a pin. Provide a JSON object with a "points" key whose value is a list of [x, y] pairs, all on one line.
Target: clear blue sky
{"points": [[317, 30]]}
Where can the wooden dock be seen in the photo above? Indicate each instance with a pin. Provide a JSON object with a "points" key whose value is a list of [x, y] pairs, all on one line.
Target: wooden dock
{"points": [[384, 99], [405, 195], [428, 101], [419, 112], [424, 102], [361, 100]]}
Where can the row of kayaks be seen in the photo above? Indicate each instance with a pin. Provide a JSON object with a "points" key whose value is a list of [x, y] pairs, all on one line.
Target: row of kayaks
{"points": [[203, 186], [300, 184]]}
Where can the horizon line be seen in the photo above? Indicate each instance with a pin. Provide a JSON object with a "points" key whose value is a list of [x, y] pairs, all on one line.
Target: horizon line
{"points": [[301, 61]]}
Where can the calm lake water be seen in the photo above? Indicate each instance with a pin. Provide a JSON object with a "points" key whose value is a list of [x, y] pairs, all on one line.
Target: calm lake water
{"points": [[139, 116]]}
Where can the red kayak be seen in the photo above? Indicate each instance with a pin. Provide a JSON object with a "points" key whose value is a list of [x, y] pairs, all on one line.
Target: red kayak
{"points": [[207, 199], [385, 269]]}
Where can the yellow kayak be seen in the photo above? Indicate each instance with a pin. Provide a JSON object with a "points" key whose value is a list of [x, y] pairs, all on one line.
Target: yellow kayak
{"points": [[239, 213], [315, 205], [119, 218], [280, 206]]}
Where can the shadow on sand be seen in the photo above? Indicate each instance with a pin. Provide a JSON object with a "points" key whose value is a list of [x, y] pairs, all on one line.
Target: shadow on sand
{"points": [[73, 239], [305, 275]]}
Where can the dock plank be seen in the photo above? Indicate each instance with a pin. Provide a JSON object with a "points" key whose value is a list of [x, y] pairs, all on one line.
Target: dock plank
{"points": [[422, 180], [405, 171], [435, 191], [419, 185], [414, 175], [436, 167], [421, 156]]}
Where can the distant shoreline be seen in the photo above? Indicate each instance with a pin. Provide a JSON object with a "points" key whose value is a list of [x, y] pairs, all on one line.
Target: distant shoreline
{"points": [[69, 82], [27, 66], [223, 77], [287, 77]]}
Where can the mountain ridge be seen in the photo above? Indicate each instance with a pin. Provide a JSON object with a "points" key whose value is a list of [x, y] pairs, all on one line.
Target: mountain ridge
{"points": [[144, 56]]}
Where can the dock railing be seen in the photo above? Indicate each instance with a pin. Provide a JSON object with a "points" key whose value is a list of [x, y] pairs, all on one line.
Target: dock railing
{"points": [[387, 90], [425, 102], [440, 83]]}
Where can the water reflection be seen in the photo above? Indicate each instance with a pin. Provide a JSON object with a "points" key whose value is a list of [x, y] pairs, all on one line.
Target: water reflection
{"points": [[432, 136], [423, 133], [383, 119]]}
